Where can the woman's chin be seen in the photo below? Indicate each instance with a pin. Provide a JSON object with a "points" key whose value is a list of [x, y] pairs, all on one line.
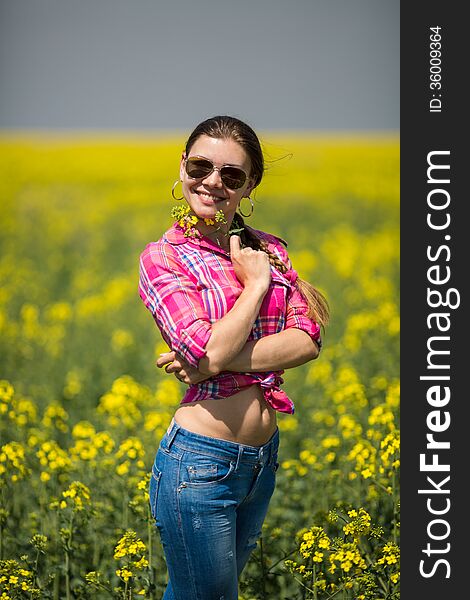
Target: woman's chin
{"points": [[205, 210]]}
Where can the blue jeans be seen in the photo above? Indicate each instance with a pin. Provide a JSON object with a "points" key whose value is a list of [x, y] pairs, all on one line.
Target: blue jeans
{"points": [[209, 498]]}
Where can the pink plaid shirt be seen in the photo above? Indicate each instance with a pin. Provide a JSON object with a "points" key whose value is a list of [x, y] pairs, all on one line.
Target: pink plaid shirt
{"points": [[189, 283]]}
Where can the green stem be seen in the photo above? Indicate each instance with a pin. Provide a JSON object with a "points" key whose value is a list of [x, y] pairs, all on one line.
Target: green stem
{"points": [[370, 562], [149, 541], [282, 559], [315, 593], [57, 570], [36, 567], [379, 485], [263, 570], [125, 502], [395, 515], [341, 589], [68, 549], [67, 576], [57, 584], [303, 585]]}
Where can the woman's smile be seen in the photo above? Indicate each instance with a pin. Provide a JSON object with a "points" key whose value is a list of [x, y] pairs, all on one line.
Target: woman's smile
{"points": [[207, 197]]}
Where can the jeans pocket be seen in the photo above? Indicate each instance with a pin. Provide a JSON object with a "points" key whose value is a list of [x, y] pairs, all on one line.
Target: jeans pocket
{"points": [[153, 490], [207, 470]]}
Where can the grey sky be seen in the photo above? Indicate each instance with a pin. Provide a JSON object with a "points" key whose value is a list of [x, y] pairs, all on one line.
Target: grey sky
{"points": [[158, 64]]}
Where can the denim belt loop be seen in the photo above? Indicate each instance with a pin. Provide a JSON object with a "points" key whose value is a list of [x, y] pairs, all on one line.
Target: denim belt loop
{"points": [[239, 457], [172, 434], [270, 457]]}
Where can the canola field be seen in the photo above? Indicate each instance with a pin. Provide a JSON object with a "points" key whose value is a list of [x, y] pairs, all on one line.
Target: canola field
{"points": [[83, 406]]}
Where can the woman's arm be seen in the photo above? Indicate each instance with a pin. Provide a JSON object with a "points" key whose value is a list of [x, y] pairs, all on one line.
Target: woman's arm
{"points": [[226, 347], [174, 300], [284, 350], [230, 333]]}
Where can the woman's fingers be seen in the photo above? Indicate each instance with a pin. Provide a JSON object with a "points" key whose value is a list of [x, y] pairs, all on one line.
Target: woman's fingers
{"points": [[179, 368], [175, 366], [165, 358], [234, 245]]}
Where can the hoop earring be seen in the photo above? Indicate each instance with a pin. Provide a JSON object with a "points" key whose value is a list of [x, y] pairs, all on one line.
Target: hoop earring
{"points": [[252, 207], [173, 190]]}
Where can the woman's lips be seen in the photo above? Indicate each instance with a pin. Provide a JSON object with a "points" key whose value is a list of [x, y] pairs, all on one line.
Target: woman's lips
{"points": [[208, 198]]}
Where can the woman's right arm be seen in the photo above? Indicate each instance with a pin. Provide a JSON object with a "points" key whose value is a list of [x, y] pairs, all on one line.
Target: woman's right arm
{"points": [[231, 332], [176, 305]]}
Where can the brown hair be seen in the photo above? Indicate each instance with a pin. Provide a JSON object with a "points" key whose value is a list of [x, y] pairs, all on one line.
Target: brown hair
{"points": [[225, 127]]}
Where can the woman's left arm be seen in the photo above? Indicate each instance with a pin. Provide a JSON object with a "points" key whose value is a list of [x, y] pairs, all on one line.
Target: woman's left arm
{"points": [[297, 344], [285, 350]]}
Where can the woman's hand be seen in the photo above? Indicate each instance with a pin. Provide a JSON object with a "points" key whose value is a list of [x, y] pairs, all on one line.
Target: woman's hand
{"points": [[251, 266], [181, 369]]}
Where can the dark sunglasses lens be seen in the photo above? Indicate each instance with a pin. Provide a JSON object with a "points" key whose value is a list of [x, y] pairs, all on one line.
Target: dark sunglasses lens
{"points": [[198, 168], [232, 177]]}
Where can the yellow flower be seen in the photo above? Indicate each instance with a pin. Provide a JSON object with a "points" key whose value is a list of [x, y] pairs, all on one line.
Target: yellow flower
{"points": [[330, 457], [141, 564], [129, 545], [317, 557], [331, 441], [123, 468], [83, 429], [79, 495], [359, 524], [288, 423], [390, 555], [55, 417], [124, 574]]}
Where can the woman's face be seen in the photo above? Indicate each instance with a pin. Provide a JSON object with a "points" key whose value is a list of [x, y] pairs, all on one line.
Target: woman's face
{"points": [[207, 195]]}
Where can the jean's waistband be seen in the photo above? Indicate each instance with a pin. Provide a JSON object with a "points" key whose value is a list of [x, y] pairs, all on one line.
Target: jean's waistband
{"points": [[188, 440]]}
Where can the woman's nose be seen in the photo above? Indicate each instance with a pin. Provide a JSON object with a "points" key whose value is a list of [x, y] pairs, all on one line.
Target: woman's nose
{"points": [[214, 179]]}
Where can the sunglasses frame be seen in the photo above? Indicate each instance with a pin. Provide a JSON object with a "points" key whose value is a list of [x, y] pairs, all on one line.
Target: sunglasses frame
{"points": [[214, 168]]}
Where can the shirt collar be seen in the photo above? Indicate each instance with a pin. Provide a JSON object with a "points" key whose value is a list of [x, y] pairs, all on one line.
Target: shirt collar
{"points": [[175, 235]]}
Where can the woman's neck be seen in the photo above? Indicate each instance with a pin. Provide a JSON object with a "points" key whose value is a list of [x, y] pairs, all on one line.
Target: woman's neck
{"points": [[220, 237], [218, 233]]}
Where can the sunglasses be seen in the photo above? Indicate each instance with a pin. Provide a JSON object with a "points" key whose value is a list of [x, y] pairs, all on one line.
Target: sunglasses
{"points": [[198, 167]]}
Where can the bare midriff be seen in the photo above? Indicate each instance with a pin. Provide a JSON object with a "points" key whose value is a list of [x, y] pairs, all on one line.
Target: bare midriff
{"points": [[244, 418]]}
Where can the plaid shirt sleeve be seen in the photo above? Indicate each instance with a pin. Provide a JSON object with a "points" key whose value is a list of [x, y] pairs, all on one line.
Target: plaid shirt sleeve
{"points": [[174, 301], [296, 315], [297, 307]]}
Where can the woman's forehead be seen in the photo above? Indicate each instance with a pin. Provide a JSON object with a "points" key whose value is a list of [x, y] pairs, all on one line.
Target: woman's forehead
{"points": [[220, 150]]}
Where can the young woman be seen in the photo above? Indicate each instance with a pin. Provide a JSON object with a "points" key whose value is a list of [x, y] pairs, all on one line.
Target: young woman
{"points": [[235, 315]]}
